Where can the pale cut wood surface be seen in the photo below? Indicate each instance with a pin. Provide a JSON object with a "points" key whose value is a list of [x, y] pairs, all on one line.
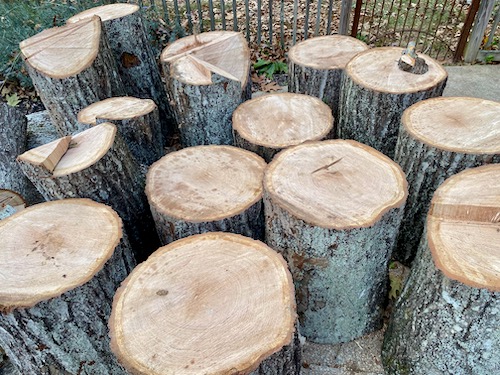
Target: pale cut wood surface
{"points": [[326, 52], [106, 12], [215, 303], [464, 227], [457, 124], [117, 108], [377, 69], [65, 51], [337, 184], [205, 183], [282, 120], [47, 250], [47, 156]]}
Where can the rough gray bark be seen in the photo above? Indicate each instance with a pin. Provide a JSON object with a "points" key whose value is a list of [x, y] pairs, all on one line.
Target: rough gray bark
{"points": [[442, 327], [426, 168], [68, 334], [372, 117], [341, 276], [267, 153]]}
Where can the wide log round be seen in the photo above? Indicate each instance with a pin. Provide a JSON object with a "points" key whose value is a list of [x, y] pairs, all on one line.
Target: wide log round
{"points": [[71, 67], [137, 121], [215, 303], [270, 123], [207, 77], [206, 189], [316, 65], [438, 138], [446, 319], [61, 265], [95, 164], [375, 92], [333, 209]]}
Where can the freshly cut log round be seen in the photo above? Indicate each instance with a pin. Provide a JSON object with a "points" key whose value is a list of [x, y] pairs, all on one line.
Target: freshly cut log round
{"points": [[207, 77], [97, 165], [10, 203], [216, 303], [133, 54], [62, 262], [375, 92], [446, 319], [333, 209], [267, 124], [206, 189], [316, 65], [438, 138], [71, 67], [137, 121]]}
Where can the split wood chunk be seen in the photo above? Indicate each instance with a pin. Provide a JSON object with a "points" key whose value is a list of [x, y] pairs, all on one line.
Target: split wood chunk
{"points": [[446, 320], [215, 303], [99, 166], [137, 121], [333, 209], [206, 189], [133, 54], [438, 138], [375, 92], [207, 78], [10, 203], [71, 67], [57, 285], [316, 65], [269, 123]]}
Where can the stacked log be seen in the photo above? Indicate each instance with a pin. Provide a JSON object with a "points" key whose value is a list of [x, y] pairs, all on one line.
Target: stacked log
{"points": [[215, 303]]}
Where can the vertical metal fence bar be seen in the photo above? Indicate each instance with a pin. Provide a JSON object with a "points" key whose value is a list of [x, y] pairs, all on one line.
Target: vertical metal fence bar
{"points": [[471, 9], [364, 16], [189, 16], [177, 21], [295, 11], [166, 17], [355, 21], [235, 17], [247, 20], [200, 16], [282, 24], [417, 7], [494, 26], [152, 4], [380, 18], [270, 23], [397, 17], [318, 19], [404, 22], [223, 13], [431, 24], [306, 21], [329, 22], [259, 21], [212, 15]]}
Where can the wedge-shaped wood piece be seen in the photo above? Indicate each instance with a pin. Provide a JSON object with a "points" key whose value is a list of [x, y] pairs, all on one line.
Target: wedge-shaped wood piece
{"points": [[47, 156]]}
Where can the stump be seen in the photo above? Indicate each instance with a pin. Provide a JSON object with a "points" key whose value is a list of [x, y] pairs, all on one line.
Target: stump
{"points": [[215, 303], [10, 203], [134, 56], [207, 77], [61, 265], [316, 65], [99, 166], [206, 189], [446, 319], [375, 92], [438, 138], [267, 124], [71, 67], [333, 209], [137, 121]]}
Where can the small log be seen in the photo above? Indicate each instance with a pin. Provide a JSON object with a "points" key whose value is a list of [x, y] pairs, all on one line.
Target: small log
{"points": [[316, 65], [134, 56], [71, 67], [333, 209], [61, 265], [99, 166], [375, 92], [446, 319], [222, 304], [206, 189], [137, 121], [270, 123], [438, 138], [207, 77]]}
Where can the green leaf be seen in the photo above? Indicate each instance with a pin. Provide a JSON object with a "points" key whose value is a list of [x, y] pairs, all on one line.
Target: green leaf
{"points": [[260, 63], [13, 100], [396, 286], [270, 71]]}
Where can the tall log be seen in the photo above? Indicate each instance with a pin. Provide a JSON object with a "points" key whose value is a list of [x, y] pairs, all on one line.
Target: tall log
{"points": [[99, 166], [206, 189], [61, 265], [207, 77], [446, 319], [270, 123], [375, 92], [71, 67], [137, 121], [221, 304], [134, 56], [438, 138], [333, 210]]}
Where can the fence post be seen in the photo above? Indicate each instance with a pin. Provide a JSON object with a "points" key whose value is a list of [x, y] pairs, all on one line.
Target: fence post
{"points": [[345, 13], [482, 19]]}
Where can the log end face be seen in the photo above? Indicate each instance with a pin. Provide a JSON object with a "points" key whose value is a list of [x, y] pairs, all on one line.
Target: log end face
{"points": [[116, 108], [105, 12]]}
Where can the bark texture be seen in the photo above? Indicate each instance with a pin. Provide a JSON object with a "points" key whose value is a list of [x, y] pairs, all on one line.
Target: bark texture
{"points": [[267, 153], [68, 334], [442, 327]]}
